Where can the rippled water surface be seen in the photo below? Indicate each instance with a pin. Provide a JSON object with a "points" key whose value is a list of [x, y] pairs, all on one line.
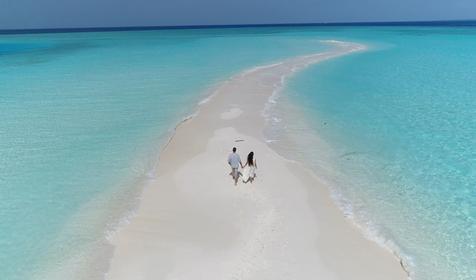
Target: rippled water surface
{"points": [[83, 117], [394, 131]]}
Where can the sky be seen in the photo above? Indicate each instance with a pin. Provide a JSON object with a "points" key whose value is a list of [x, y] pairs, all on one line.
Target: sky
{"points": [[25, 14]]}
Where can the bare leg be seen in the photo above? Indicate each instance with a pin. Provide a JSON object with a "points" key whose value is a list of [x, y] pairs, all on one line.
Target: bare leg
{"points": [[236, 175]]}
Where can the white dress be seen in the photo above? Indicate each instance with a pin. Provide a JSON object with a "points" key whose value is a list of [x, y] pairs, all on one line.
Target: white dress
{"points": [[248, 172]]}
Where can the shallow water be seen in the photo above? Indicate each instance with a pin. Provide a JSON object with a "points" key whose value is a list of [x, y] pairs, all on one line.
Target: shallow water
{"points": [[84, 116], [393, 132]]}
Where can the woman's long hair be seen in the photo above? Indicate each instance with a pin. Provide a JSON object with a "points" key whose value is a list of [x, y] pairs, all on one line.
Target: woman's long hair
{"points": [[250, 159]]}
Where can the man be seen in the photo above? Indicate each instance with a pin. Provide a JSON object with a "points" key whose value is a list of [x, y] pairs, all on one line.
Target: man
{"points": [[234, 161]]}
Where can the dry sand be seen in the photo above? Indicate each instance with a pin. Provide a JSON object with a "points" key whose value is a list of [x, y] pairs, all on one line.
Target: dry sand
{"points": [[193, 223]]}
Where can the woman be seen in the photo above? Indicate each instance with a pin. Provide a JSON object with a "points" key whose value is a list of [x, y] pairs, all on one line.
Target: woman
{"points": [[249, 170]]}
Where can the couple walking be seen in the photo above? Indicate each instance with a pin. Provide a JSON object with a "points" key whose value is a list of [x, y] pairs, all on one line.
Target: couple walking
{"points": [[249, 169]]}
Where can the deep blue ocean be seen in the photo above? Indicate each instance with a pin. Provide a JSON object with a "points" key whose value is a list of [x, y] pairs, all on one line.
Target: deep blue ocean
{"points": [[392, 129]]}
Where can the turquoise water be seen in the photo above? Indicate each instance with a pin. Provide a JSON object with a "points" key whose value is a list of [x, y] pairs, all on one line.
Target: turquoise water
{"points": [[84, 115], [83, 118], [398, 123]]}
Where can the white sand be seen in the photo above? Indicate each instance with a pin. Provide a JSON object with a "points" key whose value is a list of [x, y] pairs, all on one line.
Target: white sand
{"points": [[193, 223], [233, 113]]}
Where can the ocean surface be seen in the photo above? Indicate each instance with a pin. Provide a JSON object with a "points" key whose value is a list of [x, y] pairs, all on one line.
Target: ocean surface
{"points": [[84, 116], [83, 119], [393, 132]]}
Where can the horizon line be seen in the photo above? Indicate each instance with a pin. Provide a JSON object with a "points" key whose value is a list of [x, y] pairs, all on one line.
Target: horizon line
{"points": [[452, 23]]}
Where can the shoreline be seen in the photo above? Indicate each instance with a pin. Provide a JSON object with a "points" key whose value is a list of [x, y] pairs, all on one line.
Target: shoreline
{"points": [[190, 216], [339, 199]]}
